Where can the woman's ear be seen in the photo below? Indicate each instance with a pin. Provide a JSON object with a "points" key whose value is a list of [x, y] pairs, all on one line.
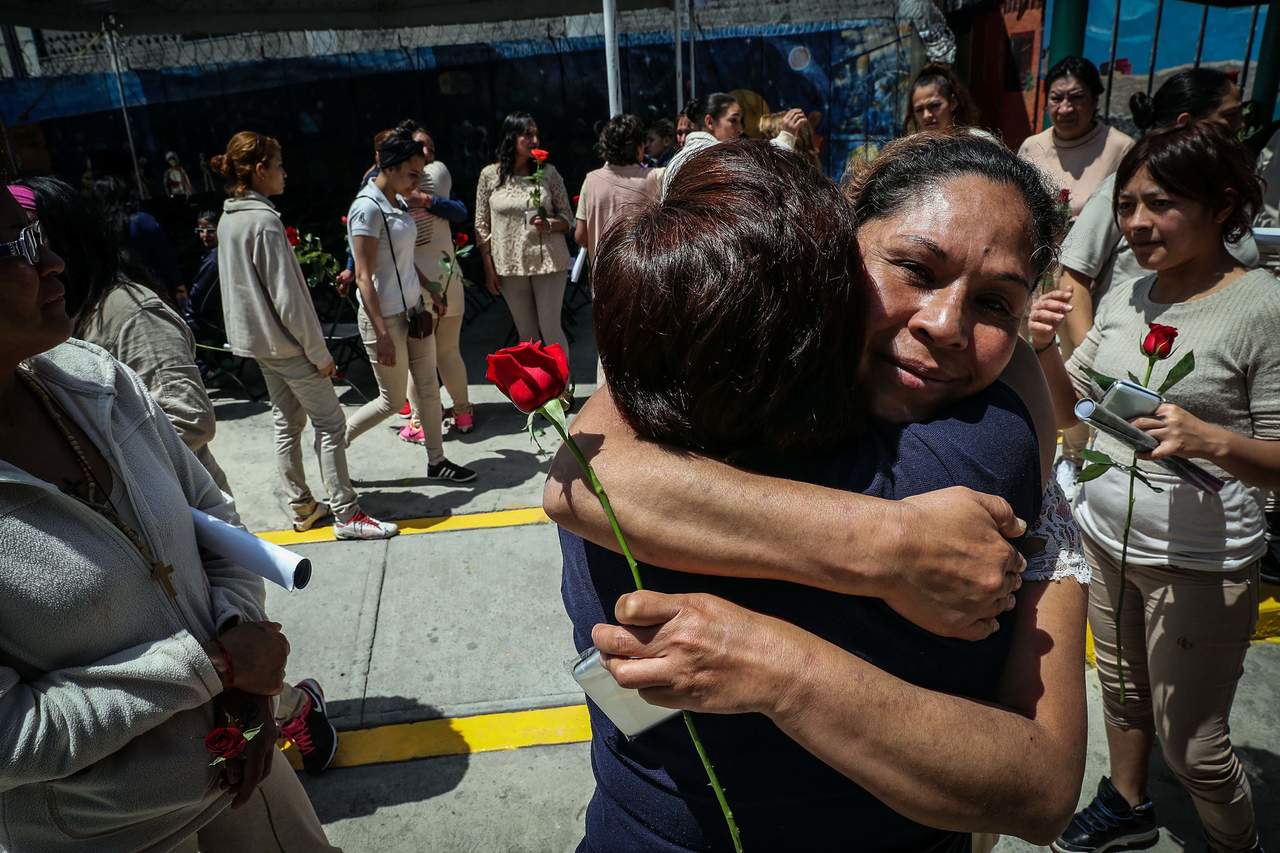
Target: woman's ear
{"points": [[1233, 201], [1182, 120]]}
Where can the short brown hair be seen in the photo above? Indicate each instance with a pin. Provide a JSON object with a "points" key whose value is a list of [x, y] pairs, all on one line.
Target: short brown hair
{"points": [[1201, 162], [729, 316], [244, 152]]}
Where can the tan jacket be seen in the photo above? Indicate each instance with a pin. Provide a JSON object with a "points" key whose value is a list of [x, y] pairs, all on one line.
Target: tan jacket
{"points": [[265, 299], [138, 328]]}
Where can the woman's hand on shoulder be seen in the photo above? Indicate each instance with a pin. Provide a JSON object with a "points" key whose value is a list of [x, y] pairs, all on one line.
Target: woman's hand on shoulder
{"points": [[1048, 312], [954, 569], [698, 652]]}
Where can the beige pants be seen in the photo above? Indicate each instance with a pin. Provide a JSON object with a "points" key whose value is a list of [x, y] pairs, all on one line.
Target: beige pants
{"points": [[1185, 633], [278, 818], [535, 302], [450, 364], [299, 392], [416, 359]]}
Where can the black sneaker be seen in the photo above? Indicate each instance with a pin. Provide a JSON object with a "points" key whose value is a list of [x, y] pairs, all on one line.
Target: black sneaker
{"points": [[1109, 823], [311, 732], [446, 470]]}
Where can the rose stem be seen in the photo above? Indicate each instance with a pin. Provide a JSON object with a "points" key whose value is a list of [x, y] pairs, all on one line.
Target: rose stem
{"points": [[635, 575]]}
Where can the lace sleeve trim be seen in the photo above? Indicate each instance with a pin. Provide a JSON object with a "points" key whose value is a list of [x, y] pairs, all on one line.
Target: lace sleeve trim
{"points": [[1053, 548]]}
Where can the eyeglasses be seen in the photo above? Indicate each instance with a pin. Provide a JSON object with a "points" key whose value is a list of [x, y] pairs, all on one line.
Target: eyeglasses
{"points": [[28, 246]]}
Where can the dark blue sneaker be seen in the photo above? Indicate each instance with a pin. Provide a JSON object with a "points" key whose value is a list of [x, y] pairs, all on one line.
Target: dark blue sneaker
{"points": [[1109, 823]]}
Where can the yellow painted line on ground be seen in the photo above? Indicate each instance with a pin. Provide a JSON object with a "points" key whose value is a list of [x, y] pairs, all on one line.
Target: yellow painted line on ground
{"points": [[433, 524], [459, 736]]}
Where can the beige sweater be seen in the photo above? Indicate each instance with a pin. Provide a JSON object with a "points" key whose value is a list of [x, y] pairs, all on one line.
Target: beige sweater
{"points": [[1079, 165], [502, 223], [1235, 334], [138, 328], [265, 300]]}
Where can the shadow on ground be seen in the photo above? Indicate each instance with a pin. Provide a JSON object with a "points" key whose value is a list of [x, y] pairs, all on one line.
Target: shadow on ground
{"points": [[352, 792]]}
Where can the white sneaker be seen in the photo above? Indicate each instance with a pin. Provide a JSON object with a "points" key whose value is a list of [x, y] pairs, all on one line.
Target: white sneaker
{"points": [[1065, 471], [361, 526], [307, 521]]}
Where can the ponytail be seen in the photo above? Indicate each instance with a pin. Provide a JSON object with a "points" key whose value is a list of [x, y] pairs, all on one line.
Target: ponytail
{"points": [[244, 152]]}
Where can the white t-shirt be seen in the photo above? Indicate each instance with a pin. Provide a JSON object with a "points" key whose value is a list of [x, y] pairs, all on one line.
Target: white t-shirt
{"points": [[366, 219]]}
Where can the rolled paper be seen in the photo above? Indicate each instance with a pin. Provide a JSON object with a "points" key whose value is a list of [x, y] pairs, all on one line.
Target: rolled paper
{"points": [[265, 559], [1096, 416], [578, 263]]}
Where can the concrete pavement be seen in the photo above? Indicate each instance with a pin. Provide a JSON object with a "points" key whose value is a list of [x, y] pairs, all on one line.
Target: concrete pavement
{"points": [[448, 625]]}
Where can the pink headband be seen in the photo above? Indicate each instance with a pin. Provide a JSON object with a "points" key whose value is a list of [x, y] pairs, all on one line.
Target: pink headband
{"points": [[23, 195]]}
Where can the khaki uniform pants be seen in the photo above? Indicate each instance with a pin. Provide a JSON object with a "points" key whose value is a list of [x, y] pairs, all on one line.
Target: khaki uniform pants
{"points": [[535, 302], [278, 818], [1185, 633], [416, 360]]}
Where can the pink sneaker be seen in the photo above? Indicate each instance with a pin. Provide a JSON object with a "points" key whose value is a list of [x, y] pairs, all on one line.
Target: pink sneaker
{"points": [[406, 410], [412, 434], [464, 422]]}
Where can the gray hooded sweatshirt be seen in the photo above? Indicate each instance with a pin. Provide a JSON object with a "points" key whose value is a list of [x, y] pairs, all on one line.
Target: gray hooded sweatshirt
{"points": [[265, 299], [105, 691]]}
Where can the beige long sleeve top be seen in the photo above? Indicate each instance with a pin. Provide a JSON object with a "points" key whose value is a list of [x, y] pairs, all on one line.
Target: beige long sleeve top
{"points": [[502, 223]]}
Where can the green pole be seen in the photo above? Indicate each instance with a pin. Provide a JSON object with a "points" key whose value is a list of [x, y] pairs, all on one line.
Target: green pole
{"points": [[1267, 78], [1069, 17]]}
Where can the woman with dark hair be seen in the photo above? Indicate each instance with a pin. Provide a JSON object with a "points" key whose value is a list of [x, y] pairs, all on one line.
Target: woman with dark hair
{"points": [[876, 359], [939, 101], [660, 142], [1192, 559], [126, 319], [526, 258], [717, 118], [148, 255], [622, 182], [395, 323], [1095, 254], [1078, 150], [204, 316], [122, 644]]}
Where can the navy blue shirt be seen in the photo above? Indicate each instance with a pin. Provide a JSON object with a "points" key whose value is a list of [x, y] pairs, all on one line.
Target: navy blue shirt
{"points": [[651, 793]]}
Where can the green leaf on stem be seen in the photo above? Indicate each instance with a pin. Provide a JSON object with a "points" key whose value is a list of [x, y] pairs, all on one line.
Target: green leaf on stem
{"points": [[1093, 471], [1143, 477], [1096, 456], [1102, 380], [1178, 372], [1132, 377], [533, 433], [554, 412]]}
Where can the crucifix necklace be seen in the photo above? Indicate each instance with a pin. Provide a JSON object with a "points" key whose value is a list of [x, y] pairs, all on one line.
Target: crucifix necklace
{"points": [[160, 571]]}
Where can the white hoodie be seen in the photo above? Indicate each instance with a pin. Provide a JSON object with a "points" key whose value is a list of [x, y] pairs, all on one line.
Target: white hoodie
{"points": [[105, 690]]}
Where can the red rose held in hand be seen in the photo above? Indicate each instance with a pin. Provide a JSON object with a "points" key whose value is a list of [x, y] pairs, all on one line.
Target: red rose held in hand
{"points": [[227, 742], [460, 239], [1064, 196], [530, 374], [1159, 341], [540, 154], [291, 234]]}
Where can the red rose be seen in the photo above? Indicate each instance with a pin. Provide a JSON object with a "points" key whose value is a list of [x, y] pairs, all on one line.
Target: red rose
{"points": [[1064, 196], [540, 155], [575, 200], [530, 374], [226, 742], [1159, 341], [344, 219], [291, 234], [460, 239]]}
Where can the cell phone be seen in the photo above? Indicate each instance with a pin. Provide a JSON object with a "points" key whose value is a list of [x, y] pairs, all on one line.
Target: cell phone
{"points": [[1129, 400], [625, 708]]}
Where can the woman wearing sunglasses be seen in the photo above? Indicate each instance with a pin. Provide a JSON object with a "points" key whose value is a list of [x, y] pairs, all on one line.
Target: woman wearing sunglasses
{"points": [[122, 647]]}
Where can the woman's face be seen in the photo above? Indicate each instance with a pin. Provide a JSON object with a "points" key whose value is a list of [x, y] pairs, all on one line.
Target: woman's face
{"points": [[428, 145], [728, 126], [950, 276], [684, 127], [655, 143], [403, 177], [1165, 230], [206, 233], [527, 141], [1229, 114], [1071, 108], [932, 109], [33, 307], [269, 177]]}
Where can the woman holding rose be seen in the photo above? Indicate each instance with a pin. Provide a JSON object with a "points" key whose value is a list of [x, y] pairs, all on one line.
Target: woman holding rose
{"points": [[1190, 585], [808, 397], [526, 258]]}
